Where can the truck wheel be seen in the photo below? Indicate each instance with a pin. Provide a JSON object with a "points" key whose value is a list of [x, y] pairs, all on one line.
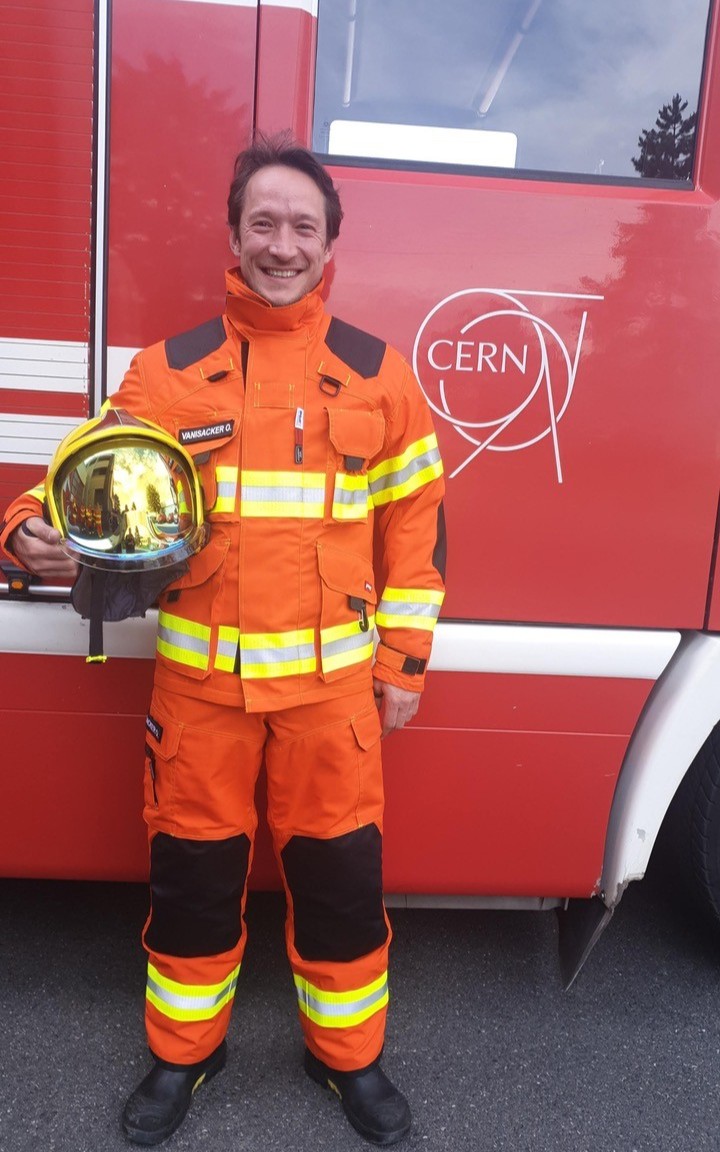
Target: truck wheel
{"points": [[691, 831]]}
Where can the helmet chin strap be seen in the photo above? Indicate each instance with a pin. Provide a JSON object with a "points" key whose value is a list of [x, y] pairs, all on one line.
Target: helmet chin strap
{"points": [[98, 580]]}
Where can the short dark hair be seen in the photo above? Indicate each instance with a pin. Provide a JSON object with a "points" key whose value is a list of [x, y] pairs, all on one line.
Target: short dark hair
{"points": [[282, 149]]}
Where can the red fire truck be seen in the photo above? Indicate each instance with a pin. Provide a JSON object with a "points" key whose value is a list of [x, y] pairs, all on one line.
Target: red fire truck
{"points": [[531, 196]]}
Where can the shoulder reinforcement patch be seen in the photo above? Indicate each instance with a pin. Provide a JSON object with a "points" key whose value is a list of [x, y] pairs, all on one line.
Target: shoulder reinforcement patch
{"points": [[359, 350], [189, 347]]}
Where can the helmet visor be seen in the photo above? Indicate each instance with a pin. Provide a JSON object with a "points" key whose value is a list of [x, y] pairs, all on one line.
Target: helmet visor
{"points": [[129, 507]]}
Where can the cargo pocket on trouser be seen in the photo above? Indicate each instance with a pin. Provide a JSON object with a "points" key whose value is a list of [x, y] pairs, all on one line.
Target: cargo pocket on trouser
{"points": [[347, 615], [324, 768], [203, 761], [162, 738]]}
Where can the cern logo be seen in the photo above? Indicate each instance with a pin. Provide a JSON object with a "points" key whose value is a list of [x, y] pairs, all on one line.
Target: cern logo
{"points": [[500, 366]]}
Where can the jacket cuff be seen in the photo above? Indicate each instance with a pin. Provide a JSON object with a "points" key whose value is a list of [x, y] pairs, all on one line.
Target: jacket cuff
{"points": [[8, 526], [398, 668]]}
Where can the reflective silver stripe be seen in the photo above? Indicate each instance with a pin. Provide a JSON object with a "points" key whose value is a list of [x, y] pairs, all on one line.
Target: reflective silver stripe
{"points": [[276, 655], [226, 489], [182, 640], [194, 1003], [404, 608], [282, 493], [227, 649], [345, 1008], [396, 479], [267, 655], [345, 644], [350, 496]]}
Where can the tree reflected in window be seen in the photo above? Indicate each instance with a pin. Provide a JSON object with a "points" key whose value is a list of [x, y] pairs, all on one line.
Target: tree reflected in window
{"points": [[666, 151]]}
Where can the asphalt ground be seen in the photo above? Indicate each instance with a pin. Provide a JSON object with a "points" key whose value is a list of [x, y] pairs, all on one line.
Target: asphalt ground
{"points": [[490, 1050]]}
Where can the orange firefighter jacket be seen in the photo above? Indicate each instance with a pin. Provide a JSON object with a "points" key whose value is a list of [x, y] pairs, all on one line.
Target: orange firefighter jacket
{"points": [[322, 484]]}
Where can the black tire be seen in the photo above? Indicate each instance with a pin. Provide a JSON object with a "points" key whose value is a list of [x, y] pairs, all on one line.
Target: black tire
{"points": [[690, 836]]}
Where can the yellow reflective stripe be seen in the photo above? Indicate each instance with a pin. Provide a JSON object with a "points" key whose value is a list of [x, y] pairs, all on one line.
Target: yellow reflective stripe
{"points": [[414, 595], [283, 510], [390, 620], [341, 1009], [418, 465], [345, 644], [397, 463], [263, 479], [350, 498], [189, 1001], [184, 641], [351, 481], [265, 655], [409, 608], [292, 495], [226, 478], [38, 493], [418, 480], [227, 648]]}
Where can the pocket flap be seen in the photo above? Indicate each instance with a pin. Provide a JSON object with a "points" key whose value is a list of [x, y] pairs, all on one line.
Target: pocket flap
{"points": [[162, 736], [204, 563], [367, 728], [356, 433], [347, 572]]}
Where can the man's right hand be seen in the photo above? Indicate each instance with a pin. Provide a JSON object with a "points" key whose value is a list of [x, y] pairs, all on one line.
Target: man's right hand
{"points": [[37, 546]]}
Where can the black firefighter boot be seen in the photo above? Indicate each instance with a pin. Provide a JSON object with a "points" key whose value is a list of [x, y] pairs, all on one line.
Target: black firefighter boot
{"points": [[160, 1103], [374, 1106]]}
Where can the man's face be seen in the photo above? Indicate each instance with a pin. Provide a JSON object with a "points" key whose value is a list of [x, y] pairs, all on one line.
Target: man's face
{"points": [[282, 236]]}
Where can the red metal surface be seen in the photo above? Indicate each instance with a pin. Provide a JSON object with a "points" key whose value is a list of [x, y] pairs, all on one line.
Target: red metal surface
{"points": [[46, 151], [503, 785], [73, 798], [708, 176], [48, 403], [626, 538], [286, 44], [193, 65]]}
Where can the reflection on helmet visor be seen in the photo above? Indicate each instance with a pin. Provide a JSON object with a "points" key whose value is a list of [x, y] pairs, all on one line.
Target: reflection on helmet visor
{"points": [[127, 501]]}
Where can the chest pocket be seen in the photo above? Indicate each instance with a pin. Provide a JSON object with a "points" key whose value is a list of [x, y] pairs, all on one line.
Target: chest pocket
{"points": [[355, 437], [214, 445]]}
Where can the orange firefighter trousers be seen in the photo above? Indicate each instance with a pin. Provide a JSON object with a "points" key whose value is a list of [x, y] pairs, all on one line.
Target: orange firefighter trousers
{"points": [[325, 808]]}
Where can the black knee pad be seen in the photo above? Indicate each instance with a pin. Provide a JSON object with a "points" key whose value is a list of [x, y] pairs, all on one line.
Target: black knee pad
{"points": [[196, 888], [336, 888]]}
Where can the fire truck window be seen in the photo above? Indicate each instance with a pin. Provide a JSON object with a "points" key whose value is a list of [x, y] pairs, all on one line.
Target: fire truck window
{"points": [[594, 89]]}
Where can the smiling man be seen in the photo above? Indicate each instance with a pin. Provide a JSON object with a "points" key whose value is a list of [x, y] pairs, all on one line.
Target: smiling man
{"points": [[316, 451], [281, 236]]}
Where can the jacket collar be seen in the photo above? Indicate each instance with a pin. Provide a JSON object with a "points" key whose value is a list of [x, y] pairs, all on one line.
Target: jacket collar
{"points": [[250, 314]]}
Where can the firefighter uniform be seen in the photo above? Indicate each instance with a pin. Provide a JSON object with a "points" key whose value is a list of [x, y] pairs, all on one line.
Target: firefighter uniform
{"points": [[316, 452]]}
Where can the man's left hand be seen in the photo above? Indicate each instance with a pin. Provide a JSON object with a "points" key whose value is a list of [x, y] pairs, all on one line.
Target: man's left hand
{"points": [[397, 706]]}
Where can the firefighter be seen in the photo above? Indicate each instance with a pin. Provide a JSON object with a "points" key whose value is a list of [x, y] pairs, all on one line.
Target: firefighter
{"points": [[314, 446]]}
